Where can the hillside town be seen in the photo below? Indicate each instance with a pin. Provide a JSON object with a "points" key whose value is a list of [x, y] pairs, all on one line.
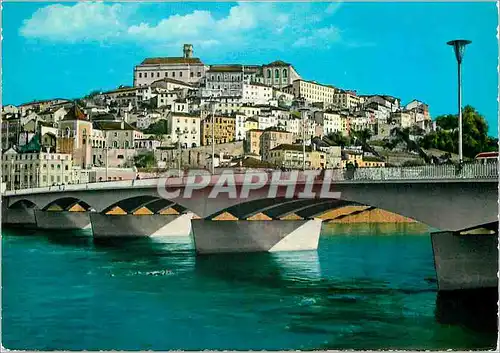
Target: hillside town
{"points": [[254, 116]]}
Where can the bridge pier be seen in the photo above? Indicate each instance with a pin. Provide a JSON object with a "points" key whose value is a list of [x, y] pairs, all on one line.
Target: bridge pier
{"points": [[23, 217], [465, 260], [212, 237], [130, 226], [62, 220]]}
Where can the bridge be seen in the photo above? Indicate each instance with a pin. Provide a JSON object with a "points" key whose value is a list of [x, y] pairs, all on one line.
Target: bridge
{"points": [[266, 211]]}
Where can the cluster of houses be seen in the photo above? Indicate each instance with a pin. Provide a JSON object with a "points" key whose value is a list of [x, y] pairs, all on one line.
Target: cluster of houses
{"points": [[180, 103]]}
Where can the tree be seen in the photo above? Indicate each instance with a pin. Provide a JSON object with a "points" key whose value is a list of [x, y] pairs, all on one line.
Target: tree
{"points": [[337, 139], [447, 122], [145, 160], [475, 134], [158, 128]]}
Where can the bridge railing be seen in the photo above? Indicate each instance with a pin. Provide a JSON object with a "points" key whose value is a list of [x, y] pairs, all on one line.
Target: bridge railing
{"points": [[427, 172]]}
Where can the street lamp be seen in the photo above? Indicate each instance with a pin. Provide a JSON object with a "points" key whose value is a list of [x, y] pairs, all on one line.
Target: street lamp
{"points": [[212, 102], [303, 109], [459, 48]]}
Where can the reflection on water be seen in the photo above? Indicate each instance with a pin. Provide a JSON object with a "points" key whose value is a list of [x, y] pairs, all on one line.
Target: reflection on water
{"points": [[155, 294]]}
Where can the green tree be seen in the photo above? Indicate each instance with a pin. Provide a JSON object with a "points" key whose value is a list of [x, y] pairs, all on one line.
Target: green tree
{"points": [[475, 134], [447, 122], [158, 128], [145, 160], [337, 139]]}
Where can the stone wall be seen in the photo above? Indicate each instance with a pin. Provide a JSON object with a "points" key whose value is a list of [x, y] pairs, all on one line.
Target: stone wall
{"points": [[196, 157]]}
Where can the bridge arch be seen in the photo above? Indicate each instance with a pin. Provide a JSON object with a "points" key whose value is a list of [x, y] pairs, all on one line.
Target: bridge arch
{"points": [[23, 203], [67, 204], [144, 204]]}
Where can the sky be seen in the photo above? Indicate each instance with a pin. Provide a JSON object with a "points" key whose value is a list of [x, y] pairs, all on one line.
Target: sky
{"points": [[67, 50]]}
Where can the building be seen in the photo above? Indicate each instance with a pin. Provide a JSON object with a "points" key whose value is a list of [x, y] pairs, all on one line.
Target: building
{"points": [[251, 124], [420, 113], [53, 114], [75, 131], [346, 99], [279, 74], [186, 128], [292, 156], [392, 103], [11, 127], [402, 118], [185, 68], [224, 80], [331, 121], [312, 91], [256, 93], [253, 141], [37, 169], [272, 138], [224, 130], [123, 97], [119, 134], [333, 157]]}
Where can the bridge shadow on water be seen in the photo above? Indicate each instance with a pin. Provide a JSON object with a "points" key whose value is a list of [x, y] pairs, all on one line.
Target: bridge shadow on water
{"points": [[475, 309]]}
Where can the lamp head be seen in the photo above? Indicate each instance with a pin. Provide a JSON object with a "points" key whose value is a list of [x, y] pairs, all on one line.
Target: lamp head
{"points": [[459, 48]]}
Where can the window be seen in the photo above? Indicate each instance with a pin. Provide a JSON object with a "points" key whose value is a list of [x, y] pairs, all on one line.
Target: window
{"points": [[157, 74], [192, 74], [116, 134], [66, 167], [285, 73], [115, 144], [140, 75], [51, 166], [125, 144], [180, 74], [152, 74], [277, 73], [58, 166], [198, 74], [173, 74], [120, 156], [268, 73], [166, 74]]}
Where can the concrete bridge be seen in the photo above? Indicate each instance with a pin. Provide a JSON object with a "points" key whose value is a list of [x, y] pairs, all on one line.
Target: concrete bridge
{"points": [[263, 211]]}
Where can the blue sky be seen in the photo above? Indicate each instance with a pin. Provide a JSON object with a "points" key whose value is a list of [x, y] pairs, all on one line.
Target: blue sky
{"points": [[69, 49]]}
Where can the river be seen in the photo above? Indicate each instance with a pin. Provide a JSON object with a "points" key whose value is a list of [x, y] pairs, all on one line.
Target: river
{"points": [[367, 287]]}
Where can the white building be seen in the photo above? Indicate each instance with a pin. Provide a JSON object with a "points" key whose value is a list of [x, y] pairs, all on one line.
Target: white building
{"points": [[256, 93], [224, 80], [184, 127], [312, 91], [267, 121], [347, 99], [186, 69], [240, 130], [279, 74], [29, 170], [331, 122]]}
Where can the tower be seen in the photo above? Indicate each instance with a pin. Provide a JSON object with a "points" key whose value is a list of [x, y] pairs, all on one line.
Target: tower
{"points": [[188, 51]]}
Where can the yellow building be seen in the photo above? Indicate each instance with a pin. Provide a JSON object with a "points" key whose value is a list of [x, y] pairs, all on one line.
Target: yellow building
{"points": [[371, 162], [253, 140], [356, 157], [272, 138], [353, 157], [291, 156], [224, 130], [251, 124]]}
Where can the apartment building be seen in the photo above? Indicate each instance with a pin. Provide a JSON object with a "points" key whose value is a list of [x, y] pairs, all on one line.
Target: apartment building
{"points": [[224, 130], [272, 138], [312, 91]]}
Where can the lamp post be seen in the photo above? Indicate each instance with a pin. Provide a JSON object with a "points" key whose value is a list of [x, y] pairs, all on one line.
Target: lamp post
{"points": [[459, 48], [212, 102], [303, 109]]}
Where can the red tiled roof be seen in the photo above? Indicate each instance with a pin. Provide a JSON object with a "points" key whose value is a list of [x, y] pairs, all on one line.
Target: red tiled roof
{"points": [[75, 113], [171, 60]]}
